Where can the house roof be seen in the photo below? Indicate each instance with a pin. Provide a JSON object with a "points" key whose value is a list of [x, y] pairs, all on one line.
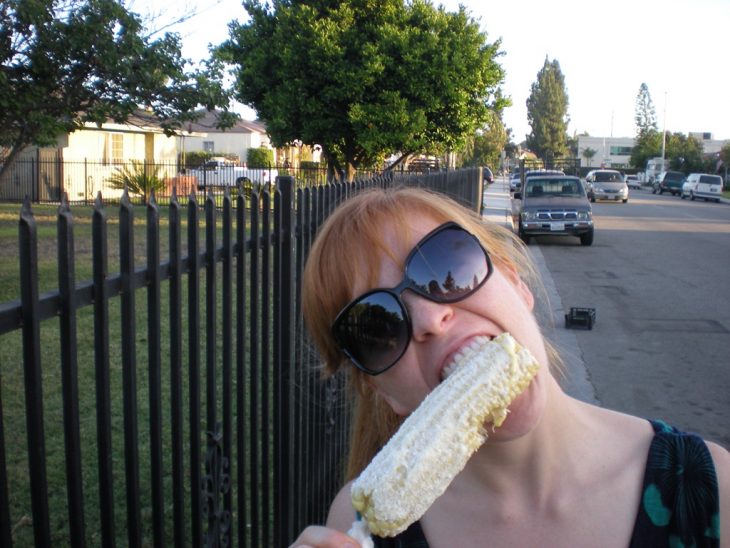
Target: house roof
{"points": [[206, 124]]}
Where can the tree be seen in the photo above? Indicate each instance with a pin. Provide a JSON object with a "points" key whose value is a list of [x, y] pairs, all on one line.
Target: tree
{"points": [[486, 145], [684, 153], [646, 146], [722, 163], [645, 114], [364, 79], [547, 112], [66, 63], [588, 154]]}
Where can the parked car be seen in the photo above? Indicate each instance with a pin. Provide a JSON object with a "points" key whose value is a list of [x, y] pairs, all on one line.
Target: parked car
{"points": [[668, 181], [487, 175], [606, 184], [515, 181], [702, 185], [632, 181], [554, 205], [541, 172], [220, 173]]}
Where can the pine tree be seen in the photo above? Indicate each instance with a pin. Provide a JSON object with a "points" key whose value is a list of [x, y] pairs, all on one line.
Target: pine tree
{"points": [[645, 114], [547, 112]]}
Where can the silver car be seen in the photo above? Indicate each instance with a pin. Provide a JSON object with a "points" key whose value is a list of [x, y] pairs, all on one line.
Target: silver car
{"points": [[607, 184]]}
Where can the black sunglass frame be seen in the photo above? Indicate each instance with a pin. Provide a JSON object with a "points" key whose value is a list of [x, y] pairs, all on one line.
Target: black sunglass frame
{"points": [[397, 291]]}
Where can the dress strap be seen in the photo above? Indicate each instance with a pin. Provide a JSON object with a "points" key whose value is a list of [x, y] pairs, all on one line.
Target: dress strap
{"points": [[680, 503]]}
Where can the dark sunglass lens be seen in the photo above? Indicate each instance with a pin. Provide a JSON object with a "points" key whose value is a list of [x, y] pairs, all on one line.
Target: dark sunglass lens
{"points": [[374, 331], [448, 265]]}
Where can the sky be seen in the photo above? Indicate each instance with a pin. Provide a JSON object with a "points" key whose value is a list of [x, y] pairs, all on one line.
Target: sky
{"points": [[606, 50]]}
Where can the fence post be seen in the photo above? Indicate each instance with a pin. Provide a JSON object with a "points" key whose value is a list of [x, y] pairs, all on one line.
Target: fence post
{"points": [[284, 474], [33, 375]]}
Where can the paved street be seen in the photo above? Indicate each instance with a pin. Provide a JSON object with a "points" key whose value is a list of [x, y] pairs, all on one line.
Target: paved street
{"points": [[656, 275]]}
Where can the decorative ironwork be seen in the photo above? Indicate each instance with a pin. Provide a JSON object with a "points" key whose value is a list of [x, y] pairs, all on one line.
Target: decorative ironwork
{"points": [[216, 483]]}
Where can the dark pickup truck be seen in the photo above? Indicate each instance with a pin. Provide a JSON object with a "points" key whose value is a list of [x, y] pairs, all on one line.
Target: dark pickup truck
{"points": [[554, 205]]}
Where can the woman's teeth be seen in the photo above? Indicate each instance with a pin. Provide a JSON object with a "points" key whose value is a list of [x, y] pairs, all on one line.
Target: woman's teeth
{"points": [[463, 353]]}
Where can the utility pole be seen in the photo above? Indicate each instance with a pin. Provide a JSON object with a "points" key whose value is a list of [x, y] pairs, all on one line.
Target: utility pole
{"points": [[664, 130]]}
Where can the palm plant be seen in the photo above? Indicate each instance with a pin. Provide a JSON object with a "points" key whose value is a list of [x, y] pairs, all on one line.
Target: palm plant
{"points": [[139, 178]]}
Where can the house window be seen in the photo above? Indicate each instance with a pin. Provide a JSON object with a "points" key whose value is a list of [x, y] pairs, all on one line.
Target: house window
{"points": [[208, 146], [117, 148]]}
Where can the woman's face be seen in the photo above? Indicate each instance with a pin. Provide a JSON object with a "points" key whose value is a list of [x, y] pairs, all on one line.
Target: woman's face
{"points": [[502, 304]]}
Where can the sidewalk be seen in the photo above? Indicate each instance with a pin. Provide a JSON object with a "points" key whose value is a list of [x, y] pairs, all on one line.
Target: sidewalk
{"points": [[497, 205]]}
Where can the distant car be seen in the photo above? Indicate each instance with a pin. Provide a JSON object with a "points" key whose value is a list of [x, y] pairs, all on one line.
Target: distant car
{"points": [[514, 181], [607, 184], [554, 205], [487, 175], [702, 185], [632, 181], [668, 181]]}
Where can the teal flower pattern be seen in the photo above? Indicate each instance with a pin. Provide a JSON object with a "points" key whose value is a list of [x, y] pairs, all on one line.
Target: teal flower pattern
{"points": [[680, 501]]}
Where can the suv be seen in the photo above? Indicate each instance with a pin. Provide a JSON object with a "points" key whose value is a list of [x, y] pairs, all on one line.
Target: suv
{"points": [[670, 181], [702, 185], [554, 205], [607, 184]]}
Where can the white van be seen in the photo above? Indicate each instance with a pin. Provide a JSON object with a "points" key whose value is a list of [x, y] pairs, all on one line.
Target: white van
{"points": [[654, 166], [702, 185]]}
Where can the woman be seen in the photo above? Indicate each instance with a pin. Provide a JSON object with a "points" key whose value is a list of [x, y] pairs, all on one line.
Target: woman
{"points": [[558, 472]]}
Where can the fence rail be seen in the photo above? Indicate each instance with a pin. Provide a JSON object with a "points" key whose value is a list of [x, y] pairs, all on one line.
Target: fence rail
{"points": [[238, 441]]}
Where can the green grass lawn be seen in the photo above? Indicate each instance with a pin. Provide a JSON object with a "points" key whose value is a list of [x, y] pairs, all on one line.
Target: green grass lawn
{"points": [[12, 376]]}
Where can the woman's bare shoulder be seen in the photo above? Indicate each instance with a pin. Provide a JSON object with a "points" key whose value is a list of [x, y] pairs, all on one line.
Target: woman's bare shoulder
{"points": [[341, 513]]}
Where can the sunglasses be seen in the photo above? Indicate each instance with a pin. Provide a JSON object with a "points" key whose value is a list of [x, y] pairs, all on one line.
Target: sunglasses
{"points": [[447, 265]]}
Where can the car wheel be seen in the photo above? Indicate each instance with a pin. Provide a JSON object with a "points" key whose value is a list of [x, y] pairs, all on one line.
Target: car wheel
{"points": [[661, 191], [625, 201], [683, 196], [653, 190], [593, 199], [587, 238], [717, 200], [691, 195]]}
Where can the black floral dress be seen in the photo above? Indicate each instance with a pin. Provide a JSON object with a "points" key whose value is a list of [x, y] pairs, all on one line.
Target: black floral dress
{"points": [[680, 505]]}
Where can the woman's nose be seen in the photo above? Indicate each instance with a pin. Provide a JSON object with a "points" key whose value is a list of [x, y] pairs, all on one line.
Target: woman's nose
{"points": [[427, 317]]}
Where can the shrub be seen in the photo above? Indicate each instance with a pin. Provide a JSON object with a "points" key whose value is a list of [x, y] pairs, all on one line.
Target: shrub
{"points": [[138, 178], [260, 157]]}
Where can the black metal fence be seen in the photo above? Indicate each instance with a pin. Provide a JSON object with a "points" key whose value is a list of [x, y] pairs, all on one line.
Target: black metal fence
{"points": [[208, 424]]}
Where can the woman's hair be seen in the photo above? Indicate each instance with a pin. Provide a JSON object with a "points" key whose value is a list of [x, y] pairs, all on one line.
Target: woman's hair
{"points": [[348, 246]]}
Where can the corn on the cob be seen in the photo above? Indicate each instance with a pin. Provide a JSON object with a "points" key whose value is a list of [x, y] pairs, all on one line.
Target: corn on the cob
{"points": [[434, 443]]}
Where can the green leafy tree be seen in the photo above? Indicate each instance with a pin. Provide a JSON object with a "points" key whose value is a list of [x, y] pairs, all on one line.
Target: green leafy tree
{"points": [[646, 146], [365, 79], [645, 113], [721, 164], [684, 153], [588, 153], [547, 112], [486, 145], [66, 63]]}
